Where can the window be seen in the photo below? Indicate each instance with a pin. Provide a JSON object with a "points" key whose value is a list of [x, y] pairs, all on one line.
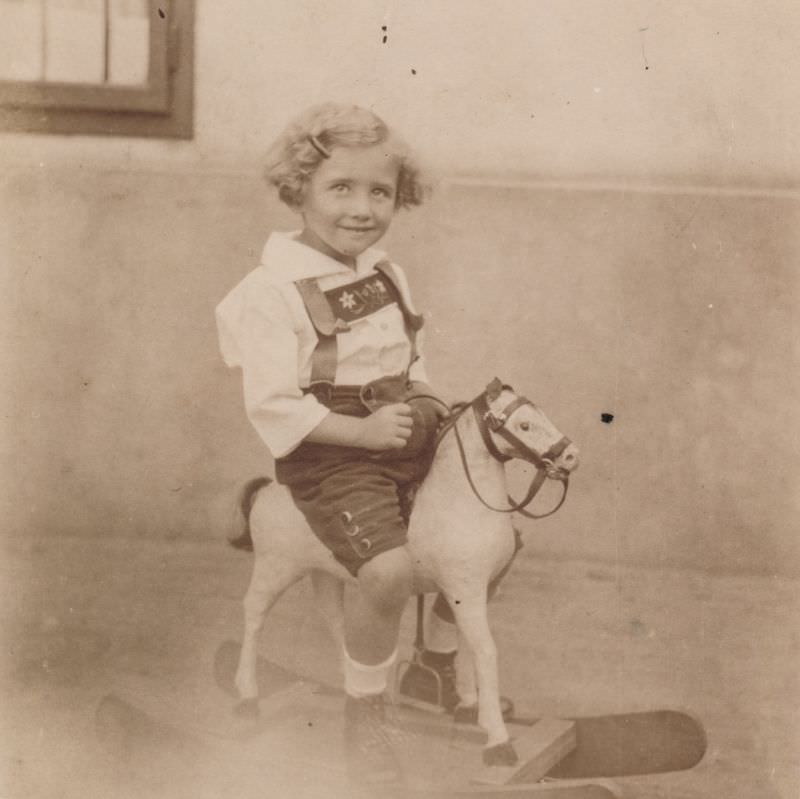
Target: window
{"points": [[118, 67]]}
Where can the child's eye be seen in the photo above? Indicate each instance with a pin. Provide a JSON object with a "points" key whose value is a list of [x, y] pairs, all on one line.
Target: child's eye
{"points": [[340, 187], [381, 192]]}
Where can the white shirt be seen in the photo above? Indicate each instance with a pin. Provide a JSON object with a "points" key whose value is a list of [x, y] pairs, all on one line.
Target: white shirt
{"points": [[265, 330]]}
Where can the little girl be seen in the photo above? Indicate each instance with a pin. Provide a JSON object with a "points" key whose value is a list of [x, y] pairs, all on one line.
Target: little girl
{"points": [[325, 333]]}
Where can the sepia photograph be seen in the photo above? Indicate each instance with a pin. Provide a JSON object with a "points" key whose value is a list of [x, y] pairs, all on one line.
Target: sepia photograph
{"points": [[401, 399]]}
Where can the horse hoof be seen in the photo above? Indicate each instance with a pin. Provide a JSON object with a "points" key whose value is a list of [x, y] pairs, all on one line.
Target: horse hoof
{"points": [[502, 754], [247, 708]]}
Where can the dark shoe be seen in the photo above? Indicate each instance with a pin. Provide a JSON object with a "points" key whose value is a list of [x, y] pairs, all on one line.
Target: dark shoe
{"points": [[432, 679], [370, 758]]}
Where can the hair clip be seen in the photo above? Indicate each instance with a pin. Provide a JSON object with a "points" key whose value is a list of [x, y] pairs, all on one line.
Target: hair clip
{"points": [[318, 146]]}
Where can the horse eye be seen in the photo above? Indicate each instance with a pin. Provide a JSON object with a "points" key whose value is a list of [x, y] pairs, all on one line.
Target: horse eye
{"points": [[525, 426]]}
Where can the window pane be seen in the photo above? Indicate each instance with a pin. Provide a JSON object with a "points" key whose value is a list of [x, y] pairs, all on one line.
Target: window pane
{"points": [[21, 40], [129, 42], [75, 41]]}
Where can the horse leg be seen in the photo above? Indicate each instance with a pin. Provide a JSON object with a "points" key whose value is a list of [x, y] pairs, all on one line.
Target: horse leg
{"points": [[465, 666], [466, 685], [329, 595], [473, 623], [270, 579]]}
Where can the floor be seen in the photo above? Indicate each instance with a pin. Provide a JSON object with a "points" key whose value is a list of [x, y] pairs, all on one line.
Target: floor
{"points": [[82, 618]]}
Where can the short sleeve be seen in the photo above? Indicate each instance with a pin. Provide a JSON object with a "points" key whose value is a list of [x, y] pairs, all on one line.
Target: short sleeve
{"points": [[257, 333]]}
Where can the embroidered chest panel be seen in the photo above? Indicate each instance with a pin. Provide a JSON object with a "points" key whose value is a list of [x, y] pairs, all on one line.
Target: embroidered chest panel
{"points": [[360, 299]]}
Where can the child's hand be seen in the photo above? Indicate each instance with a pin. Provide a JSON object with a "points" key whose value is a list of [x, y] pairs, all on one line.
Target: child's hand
{"points": [[388, 428]]}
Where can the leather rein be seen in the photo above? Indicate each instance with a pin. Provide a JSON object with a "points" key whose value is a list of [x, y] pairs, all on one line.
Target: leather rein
{"points": [[489, 422]]}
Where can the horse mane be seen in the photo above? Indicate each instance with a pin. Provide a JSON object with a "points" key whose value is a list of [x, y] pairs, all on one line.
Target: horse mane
{"points": [[244, 540]]}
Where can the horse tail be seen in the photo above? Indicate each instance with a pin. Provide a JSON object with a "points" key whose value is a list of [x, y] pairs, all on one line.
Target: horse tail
{"points": [[244, 540]]}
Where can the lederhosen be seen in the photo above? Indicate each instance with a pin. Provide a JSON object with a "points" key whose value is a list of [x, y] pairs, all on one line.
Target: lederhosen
{"points": [[355, 500]]}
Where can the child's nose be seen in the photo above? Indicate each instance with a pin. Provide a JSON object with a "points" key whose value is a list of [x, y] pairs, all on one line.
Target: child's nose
{"points": [[360, 205]]}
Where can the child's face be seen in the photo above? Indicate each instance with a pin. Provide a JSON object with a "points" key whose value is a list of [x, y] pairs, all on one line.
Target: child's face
{"points": [[349, 201]]}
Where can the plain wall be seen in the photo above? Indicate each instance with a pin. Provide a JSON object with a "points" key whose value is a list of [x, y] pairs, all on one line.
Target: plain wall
{"points": [[702, 93], [627, 243], [673, 312]]}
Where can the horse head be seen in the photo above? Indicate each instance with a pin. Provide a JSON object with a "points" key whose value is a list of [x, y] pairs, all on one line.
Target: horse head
{"points": [[514, 427]]}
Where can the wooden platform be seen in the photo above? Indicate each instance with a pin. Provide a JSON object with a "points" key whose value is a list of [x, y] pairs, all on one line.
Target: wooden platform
{"points": [[301, 721], [539, 748], [164, 607]]}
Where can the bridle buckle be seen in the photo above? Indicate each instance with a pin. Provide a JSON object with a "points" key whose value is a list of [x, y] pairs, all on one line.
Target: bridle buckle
{"points": [[494, 420]]}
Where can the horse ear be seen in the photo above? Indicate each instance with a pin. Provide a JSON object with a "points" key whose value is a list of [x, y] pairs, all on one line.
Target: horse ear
{"points": [[493, 389]]}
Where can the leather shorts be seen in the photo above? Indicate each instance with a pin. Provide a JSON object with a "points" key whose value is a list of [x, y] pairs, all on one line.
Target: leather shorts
{"points": [[358, 501]]}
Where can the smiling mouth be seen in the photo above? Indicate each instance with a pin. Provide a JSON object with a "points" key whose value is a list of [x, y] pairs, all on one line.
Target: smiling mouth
{"points": [[357, 229]]}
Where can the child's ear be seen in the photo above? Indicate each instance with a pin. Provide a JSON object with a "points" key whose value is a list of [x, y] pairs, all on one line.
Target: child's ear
{"points": [[289, 196]]}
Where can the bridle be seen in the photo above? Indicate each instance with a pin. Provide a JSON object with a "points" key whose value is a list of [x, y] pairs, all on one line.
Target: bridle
{"points": [[490, 422]]}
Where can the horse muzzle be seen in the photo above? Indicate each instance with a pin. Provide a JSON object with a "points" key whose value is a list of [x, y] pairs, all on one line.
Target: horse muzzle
{"points": [[566, 463]]}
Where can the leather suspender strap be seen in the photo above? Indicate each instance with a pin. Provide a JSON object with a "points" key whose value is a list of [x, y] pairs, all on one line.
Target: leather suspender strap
{"points": [[325, 356], [324, 359], [414, 322], [319, 310]]}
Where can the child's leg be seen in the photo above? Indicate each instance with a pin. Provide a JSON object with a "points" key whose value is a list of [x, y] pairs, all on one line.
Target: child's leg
{"points": [[372, 623], [354, 509], [441, 645]]}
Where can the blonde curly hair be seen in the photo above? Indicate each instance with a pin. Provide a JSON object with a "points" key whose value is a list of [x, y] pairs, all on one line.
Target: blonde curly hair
{"points": [[298, 151]]}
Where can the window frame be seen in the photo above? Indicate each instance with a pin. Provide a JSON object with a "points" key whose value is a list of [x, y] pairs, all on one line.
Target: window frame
{"points": [[163, 107]]}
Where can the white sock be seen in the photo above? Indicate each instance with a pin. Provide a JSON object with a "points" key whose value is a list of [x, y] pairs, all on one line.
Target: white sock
{"points": [[362, 679], [442, 636]]}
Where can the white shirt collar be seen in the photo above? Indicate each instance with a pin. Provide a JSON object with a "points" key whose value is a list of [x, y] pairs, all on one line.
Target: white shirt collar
{"points": [[287, 260]]}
